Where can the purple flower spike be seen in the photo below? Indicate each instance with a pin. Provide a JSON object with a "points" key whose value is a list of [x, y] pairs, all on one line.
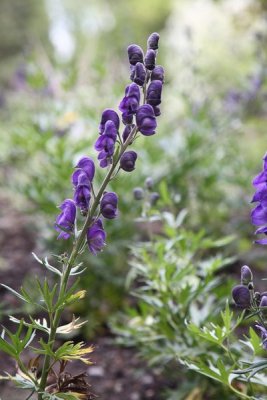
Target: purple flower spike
{"points": [[66, 219], [157, 74], [96, 237], [139, 74], [127, 161], [109, 115], [108, 205], [135, 54], [146, 120], [130, 102], [150, 59], [153, 41], [241, 296], [154, 93]]}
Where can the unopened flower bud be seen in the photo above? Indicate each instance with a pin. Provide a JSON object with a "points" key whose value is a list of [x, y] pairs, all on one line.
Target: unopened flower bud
{"points": [[157, 74], [135, 54], [127, 161], [138, 193], [150, 59], [153, 41], [241, 296], [149, 183], [139, 74], [246, 275], [154, 198], [108, 205]]}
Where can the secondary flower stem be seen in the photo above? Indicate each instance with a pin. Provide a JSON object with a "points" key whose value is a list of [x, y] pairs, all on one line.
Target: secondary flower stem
{"points": [[73, 256]]}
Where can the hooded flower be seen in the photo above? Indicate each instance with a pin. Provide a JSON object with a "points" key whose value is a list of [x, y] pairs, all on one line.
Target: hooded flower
{"points": [[146, 120], [154, 93], [109, 115], [105, 144], [131, 100], [84, 166], [82, 193], [96, 237], [259, 213], [66, 219], [241, 296], [127, 161], [153, 41], [138, 74], [150, 59], [108, 205], [157, 74]]}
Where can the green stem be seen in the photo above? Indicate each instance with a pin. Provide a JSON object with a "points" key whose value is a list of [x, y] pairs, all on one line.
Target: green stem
{"points": [[72, 258]]}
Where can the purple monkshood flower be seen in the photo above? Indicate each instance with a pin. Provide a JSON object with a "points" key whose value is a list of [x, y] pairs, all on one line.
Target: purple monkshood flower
{"points": [[138, 74], [154, 93], [146, 120], [259, 213], [105, 144], [82, 194], [96, 237], [241, 296], [108, 205], [127, 161], [85, 166], [130, 102], [109, 115], [263, 332], [150, 59], [135, 54], [157, 74], [65, 220]]}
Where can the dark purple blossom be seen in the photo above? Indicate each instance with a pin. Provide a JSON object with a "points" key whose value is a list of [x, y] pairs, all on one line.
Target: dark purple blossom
{"points": [[153, 41], [146, 120], [138, 193], [96, 237], [138, 74], [246, 275], [150, 59], [135, 54], [259, 213], [108, 205], [127, 161], [154, 93], [131, 100], [85, 166], [109, 115], [66, 219], [157, 74], [241, 296], [82, 193], [105, 144]]}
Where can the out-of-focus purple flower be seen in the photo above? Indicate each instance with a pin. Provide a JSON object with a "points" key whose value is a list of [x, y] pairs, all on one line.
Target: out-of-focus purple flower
{"points": [[109, 115], [96, 237], [146, 120], [85, 165], [263, 302], [108, 205], [150, 59], [105, 144], [153, 41], [66, 219], [154, 197], [135, 54], [138, 193], [259, 213], [127, 161], [263, 332], [157, 74], [154, 93], [138, 74], [130, 102], [246, 275], [241, 296]]}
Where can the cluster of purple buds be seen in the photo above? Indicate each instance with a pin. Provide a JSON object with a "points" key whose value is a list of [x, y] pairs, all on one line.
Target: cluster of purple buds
{"points": [[259, 213], [151, 197]]}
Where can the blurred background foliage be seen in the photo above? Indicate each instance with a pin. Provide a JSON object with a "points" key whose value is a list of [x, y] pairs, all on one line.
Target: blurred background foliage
{"points": [[64, 61]]}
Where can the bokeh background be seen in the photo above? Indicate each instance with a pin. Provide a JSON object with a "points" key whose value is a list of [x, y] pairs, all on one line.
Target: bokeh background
{"points": [[63, 62]]}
